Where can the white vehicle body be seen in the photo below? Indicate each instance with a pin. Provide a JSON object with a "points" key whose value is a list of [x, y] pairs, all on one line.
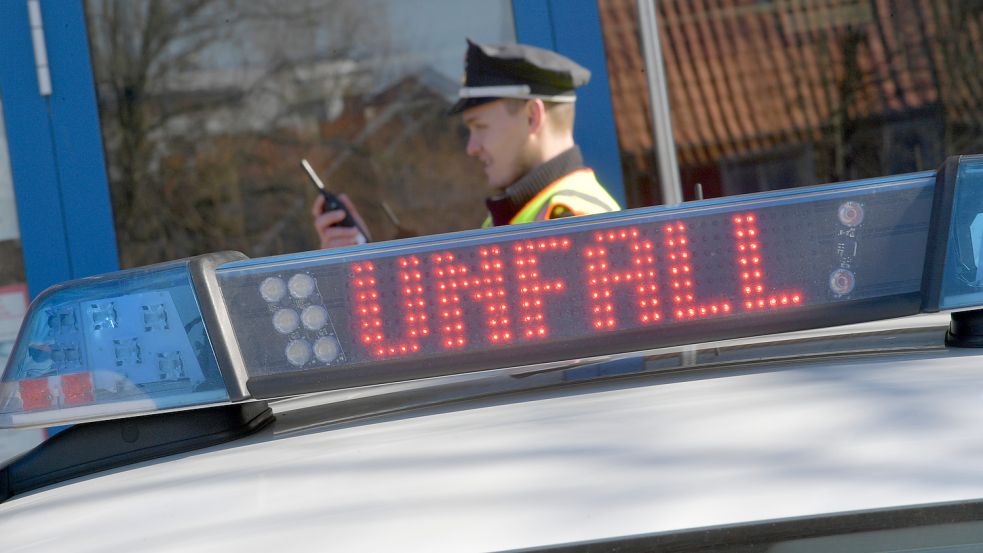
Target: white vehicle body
{"points": [[695, 448]]}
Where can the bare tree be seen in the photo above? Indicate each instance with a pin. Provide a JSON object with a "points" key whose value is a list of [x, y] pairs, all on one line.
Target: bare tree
{"points": [[206, 106]]}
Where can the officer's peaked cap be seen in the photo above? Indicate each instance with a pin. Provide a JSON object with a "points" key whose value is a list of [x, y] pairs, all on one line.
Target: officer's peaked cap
{"points": [[493, 71]]}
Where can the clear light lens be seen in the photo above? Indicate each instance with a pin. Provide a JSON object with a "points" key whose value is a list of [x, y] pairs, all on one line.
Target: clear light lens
{"points": [[301, 285], [298, 352], [154, 317], [103, 316], [326, 349], [273, 289], [286, 321], [170, 366], [128, 352], [851, 214], [314, 317], [842, 281], [62, 321]]}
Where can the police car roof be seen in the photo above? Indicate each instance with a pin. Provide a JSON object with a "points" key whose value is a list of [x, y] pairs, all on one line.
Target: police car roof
{"points": [[601, 459]]}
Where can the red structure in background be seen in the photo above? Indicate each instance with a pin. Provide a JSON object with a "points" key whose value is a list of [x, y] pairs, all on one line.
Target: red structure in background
{"points": [[768, 95]]}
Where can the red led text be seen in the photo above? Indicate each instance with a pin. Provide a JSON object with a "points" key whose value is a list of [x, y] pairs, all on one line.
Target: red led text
{"points": [[595, 281]]}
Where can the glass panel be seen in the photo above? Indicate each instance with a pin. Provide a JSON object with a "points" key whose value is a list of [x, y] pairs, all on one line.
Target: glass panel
{"points": [[208, 106], [13, 290], [768, 95]]}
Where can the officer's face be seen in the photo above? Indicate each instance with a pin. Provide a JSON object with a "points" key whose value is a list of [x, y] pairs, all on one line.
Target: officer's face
{"points": [[499, 135]]}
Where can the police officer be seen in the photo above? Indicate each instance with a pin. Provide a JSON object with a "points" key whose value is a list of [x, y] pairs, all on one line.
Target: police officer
{"points": [[518, 104]]}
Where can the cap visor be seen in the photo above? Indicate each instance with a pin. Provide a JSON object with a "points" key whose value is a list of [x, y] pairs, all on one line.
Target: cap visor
{"points": [[467, 103]]}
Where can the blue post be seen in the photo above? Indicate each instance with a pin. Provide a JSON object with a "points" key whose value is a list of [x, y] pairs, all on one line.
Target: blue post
{"points": [[573, 28], [55, 144]]}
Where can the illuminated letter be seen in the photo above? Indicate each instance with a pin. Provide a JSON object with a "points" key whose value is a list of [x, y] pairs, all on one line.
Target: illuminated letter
{"points": [[532, 285], [489, 292], [640, 275], [451, 281], [368, 313], [681, 280], [751, 268]]}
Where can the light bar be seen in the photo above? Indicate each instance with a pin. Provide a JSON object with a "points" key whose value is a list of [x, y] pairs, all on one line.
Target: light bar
{"points": [[127, 343], [197, 332], [583, 287]]}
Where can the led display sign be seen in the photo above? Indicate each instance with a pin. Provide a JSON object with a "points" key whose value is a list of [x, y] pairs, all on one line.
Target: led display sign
{"points": [[582, 287], [501, 293]]}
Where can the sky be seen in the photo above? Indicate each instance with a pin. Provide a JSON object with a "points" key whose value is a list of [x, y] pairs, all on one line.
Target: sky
{"points": [[436, 29]]}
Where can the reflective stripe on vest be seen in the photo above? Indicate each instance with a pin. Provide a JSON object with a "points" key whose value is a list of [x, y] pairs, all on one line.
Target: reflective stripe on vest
{"points": [[577, 193]]}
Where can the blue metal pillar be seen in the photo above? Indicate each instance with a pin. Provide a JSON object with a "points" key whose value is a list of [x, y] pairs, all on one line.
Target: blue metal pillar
{"points": [[573, 28], [56, 154]]}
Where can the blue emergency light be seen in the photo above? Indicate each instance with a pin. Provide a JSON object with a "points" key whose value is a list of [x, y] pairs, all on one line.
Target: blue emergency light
{"points": [[221, 328]]}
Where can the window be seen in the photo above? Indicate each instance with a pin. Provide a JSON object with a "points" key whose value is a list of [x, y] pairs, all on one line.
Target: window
{"points": [[208, 106]]}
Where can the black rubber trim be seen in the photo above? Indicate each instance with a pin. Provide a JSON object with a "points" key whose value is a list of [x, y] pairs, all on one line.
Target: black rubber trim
{"points": [[965, 329], [94, 447]]}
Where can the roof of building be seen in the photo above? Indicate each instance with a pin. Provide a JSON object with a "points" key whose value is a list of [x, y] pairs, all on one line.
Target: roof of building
{"points": [[745, 76]]}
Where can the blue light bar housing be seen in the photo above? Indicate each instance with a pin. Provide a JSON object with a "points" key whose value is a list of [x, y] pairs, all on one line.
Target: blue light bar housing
{"points": [[568, 289], [127, 343]]}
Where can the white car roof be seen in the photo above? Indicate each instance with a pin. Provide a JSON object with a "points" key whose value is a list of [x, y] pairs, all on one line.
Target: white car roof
{"points": [[664, 452]]}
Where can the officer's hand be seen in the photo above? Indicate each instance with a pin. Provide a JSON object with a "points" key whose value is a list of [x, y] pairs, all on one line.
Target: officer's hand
{"points": [[333, 236]]}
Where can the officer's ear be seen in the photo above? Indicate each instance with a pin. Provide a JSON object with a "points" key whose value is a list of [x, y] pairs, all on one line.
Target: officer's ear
{"points": [[536, 114]]}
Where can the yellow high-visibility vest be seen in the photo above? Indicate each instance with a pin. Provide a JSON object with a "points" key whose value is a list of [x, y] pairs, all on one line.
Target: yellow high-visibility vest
{"points": [[577, 193]]}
